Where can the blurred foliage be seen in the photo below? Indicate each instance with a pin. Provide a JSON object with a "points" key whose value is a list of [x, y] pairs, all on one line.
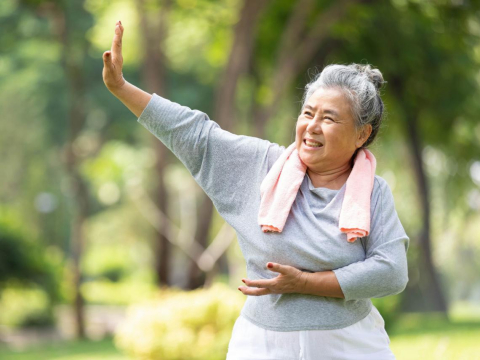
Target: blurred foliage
{"points": [[25, 307], [105, 292], [181, 325], [389, 308], [22, 259], [29, 276]]}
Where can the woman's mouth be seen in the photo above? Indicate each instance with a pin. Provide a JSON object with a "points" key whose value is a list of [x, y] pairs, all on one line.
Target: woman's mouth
{"points": [[312, 145]]}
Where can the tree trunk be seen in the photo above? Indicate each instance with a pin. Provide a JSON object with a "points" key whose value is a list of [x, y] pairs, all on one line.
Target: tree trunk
{"points": [[153, 29], [435, 300], [196, 277], [75, 46], [239, 58]]}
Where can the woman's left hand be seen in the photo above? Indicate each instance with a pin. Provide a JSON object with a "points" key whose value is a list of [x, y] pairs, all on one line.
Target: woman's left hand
{"points": [[290, 280]]}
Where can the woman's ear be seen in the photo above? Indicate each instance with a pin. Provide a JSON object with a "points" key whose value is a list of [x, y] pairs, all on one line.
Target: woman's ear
{"points": [[363, 135]]}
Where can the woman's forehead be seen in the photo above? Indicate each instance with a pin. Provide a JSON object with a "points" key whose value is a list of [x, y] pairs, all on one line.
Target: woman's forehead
{"points": [[329, 100], [325, 109]]}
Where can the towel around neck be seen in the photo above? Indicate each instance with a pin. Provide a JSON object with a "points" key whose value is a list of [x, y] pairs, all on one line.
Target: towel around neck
{"points": [[280, 187]]}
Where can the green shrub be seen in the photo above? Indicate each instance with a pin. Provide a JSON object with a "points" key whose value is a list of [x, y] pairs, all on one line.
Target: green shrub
{"points": [[23, 260], [179, 325], [111, 261], [25, 307], [389, 308]]}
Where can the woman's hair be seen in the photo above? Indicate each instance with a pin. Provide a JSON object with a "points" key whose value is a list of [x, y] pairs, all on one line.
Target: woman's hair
{"points": [[361, 85]]}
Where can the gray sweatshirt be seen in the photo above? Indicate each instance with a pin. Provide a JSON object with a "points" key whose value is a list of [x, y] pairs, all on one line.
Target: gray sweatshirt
{"points": [[230, 169]]}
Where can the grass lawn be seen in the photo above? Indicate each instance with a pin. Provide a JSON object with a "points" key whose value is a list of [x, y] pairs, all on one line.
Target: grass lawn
{"points": [[416, 336], [75, 350], [428, 337]]}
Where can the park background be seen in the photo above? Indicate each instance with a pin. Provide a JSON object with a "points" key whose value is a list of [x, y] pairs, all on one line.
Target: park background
{"points": [[97, 217]]}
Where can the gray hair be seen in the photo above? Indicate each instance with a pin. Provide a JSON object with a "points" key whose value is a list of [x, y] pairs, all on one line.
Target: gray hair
{"points": [[361, 85]]}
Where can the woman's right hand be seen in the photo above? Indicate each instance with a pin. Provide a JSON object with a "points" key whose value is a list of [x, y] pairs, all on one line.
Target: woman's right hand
{"points": [[113, 62]]}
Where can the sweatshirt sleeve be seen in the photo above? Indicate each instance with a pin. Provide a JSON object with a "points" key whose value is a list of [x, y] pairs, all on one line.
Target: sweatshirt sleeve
{"points": [[384, 271], [225, 165]]}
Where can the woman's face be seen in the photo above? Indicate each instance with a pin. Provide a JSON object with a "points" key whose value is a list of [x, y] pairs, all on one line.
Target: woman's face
{"points": [[327, 118]]}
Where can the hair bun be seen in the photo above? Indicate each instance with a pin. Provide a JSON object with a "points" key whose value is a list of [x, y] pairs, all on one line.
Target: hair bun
{"points": [[374, 75]]}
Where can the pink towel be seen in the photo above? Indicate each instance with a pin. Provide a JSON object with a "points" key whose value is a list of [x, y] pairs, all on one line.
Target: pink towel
{"points": [[279, 189]]}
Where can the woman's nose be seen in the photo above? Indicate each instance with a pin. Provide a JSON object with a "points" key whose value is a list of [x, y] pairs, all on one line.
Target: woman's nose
{"points": [[314, 127]]}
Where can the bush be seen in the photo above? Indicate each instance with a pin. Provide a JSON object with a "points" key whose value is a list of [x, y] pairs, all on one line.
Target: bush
{"points": [[23, 260], [179, 325], [25, 307], [29, 275], [389, 308]]}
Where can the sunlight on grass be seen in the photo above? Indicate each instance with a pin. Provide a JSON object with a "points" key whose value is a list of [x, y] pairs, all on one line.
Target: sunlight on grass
{"points": [[430, 337], [460, 346]]}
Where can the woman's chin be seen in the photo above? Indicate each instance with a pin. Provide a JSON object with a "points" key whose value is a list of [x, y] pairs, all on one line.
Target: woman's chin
{"points": [[309, 158], [306, 158], [311, 154]]}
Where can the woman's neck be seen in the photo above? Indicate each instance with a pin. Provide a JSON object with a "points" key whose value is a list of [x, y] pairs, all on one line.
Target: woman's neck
{"points": [[333, 180]]}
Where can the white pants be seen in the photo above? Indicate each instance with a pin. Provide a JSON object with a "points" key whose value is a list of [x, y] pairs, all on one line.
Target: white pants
{"points": [[364, 340]]}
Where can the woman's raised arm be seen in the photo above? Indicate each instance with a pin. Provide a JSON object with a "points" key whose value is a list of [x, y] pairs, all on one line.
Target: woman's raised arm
{"points": [[132, 97], [228, 167]]}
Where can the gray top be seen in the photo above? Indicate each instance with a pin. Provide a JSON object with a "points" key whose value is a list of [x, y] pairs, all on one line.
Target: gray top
{"points": [[230, 169]]}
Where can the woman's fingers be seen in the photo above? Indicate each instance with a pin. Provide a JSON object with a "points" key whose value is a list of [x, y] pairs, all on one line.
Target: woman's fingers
{"points": [[107, 68], [112, 74], [107, 57], [113, 61], [117, 42], [108, 61], [253, 291]]}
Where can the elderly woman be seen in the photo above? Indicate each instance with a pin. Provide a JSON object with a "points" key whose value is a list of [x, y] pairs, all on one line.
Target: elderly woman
{"points": [[318, 229]]}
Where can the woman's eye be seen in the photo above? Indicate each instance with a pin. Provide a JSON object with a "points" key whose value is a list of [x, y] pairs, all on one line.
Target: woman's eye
{"points": [[310, 114]]}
